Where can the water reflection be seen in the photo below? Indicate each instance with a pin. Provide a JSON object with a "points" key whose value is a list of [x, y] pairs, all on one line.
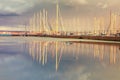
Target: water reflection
{"points": [[50, 60], [43, 51]]}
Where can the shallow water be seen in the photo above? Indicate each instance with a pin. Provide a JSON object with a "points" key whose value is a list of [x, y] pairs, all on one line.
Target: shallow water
{"points": [[52, 59]]}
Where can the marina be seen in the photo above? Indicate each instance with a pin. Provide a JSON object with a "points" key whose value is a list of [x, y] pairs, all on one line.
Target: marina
{"points": [[59, 40], [40, 26]]}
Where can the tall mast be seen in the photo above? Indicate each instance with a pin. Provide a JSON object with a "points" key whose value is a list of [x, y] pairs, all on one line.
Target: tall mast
{"points": [[38, 22], [41, 21], [115, 24], [95, 24], [57, 14], [34, 23], [25, 29], [30, 25], [46, 20], [109, 26]]}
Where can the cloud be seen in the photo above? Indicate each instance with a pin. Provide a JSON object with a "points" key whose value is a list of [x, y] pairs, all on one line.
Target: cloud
{"points": [[22, 6], [10, 14], [16, 6], [102, 5], [81, 1], [79, 8], [75, 2], [77, 73], [105, 6]]}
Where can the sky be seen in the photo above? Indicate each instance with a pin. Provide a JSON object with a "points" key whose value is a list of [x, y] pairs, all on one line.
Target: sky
{"points": [[18, 12]]}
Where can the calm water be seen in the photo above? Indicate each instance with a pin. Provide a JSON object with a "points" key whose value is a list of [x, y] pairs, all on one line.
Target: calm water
{"points": [[52, 59]]}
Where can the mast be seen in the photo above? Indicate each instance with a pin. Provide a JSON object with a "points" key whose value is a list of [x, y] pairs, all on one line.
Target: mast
{"points": [[38, 19], [30, 25], [57, 14], [25, 30], [109, 26], [34, 24], [40, 25], [43, 20], [115, 24], [46, 20]]}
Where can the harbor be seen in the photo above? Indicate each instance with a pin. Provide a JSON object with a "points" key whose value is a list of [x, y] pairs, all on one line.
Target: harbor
{"points": [[59, 40], [40, 26]]}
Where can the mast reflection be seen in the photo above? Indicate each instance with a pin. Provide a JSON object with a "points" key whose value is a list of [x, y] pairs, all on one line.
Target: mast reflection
{"points": [[42, 51]]}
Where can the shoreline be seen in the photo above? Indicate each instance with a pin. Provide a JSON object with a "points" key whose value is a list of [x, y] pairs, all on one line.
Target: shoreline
{"points": [[29, 38]]}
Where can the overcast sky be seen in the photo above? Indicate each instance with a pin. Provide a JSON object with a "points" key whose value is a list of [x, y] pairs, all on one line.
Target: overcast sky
{"points": [[14, 12]]}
